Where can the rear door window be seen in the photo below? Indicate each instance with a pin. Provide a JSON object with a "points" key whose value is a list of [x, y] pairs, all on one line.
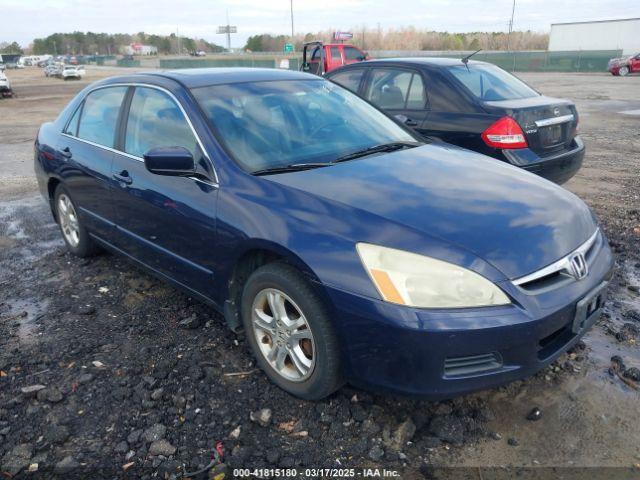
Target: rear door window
{"points": [[396, 89], [100, 115], [155, 120], [350, 79]]}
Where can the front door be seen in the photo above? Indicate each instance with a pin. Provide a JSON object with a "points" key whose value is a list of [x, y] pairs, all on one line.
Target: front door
{"points": [[167, 222]]}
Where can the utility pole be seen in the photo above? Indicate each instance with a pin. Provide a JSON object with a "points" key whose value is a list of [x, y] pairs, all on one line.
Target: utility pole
{"points": [[292, 31], [228, 32], [513, 10]]}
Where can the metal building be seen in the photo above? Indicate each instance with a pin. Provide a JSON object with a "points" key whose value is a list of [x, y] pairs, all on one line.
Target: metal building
{"points": [[622, 34]]}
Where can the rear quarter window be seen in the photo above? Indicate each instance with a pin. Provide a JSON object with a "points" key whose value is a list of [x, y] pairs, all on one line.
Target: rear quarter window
{"points": [[444, 95]]}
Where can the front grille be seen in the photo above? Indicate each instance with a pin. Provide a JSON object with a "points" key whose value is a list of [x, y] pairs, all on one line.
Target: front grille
{"points": [[557, 274], [472, 364]]}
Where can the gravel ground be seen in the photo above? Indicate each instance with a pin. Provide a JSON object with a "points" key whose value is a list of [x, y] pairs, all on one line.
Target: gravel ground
{"points": [[105, 372]]}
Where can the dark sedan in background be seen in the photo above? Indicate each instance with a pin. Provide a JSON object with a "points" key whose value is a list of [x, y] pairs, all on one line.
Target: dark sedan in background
{"points": [[474, 105]]}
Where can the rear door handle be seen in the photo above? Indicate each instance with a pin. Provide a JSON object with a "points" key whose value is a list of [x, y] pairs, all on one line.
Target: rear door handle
{"points": [[66, 152], [123, 177]]}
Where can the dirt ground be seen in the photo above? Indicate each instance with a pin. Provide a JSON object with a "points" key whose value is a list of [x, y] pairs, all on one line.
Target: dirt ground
{"points": [[131, 378]]}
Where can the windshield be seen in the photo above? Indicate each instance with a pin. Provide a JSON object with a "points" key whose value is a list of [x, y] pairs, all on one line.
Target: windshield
{"points": [[491, 83], [274, 124]]}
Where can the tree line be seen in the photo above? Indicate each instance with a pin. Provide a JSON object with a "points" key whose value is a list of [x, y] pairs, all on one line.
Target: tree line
{"points": [[409, 38], [13, 47], [90, 43]]}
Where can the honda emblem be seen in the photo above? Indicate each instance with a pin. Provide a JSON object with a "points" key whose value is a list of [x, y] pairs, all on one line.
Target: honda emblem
{"points": [[579, 267]]}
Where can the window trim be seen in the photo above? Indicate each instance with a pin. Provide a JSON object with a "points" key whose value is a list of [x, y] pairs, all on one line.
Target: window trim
{"points": [[215, 182], [414, 71], [77, 110]]}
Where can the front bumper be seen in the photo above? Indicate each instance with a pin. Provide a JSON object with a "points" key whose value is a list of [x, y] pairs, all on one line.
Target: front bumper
{"points": [[437, 354], [558, 168]]}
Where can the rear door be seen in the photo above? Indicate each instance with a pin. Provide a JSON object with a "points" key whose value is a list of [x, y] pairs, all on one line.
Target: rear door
{"points": [[400, 92], [455, 116], [167, 222], [87, 148]]}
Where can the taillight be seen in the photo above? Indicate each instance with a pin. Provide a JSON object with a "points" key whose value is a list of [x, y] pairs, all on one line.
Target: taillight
{"points": [[505, 133]]}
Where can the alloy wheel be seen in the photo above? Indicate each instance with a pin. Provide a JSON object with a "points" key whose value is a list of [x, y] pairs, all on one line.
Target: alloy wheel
{"points": [[283, 335], [68, 220]]}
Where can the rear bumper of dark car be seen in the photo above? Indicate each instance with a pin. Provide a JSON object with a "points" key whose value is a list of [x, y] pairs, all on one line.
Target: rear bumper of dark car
{"points": [[558, 168], [438, 354]]}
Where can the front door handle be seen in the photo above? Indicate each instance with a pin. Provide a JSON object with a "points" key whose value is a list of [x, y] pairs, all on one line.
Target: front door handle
{"points": [[410, 122], [123, 177]]}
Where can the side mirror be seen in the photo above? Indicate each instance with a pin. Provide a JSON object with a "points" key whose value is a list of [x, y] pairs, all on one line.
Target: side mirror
{"points": [[171, 161]]}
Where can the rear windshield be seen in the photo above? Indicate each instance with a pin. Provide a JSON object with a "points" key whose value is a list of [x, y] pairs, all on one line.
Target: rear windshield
{"points": [[491, 83]]}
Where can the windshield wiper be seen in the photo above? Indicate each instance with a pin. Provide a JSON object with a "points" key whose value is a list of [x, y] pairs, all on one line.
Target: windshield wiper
{"points": [[294, 167], [385, 147]]}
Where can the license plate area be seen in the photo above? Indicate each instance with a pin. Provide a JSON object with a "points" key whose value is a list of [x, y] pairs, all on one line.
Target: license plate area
{"points": [[588, 309], [552, 135]]}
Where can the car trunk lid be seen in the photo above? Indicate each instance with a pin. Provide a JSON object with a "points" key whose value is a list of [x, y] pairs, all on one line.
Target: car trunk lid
{"points": [[549, 124]]}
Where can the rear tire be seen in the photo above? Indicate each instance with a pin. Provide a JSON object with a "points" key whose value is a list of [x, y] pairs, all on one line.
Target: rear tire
{"points": [[75, 235], [623, 71], [294, 341]]}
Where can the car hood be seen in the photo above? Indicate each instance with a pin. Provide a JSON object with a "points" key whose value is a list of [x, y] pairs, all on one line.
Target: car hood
{"points": [[512, 219]]}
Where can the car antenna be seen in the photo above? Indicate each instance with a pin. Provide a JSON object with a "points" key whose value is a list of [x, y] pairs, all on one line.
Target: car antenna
{"points": [[465, 60]]}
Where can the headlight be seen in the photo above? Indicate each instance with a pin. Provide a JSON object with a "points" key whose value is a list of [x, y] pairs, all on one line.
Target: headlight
{"points": [[414, 280]]}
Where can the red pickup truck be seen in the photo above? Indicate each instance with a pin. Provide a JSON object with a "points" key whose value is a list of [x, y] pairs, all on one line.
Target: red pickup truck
{"points": [[320, 58]]}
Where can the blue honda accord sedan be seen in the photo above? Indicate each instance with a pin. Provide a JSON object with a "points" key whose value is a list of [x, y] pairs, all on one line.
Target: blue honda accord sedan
{"points": [[347, 249]]}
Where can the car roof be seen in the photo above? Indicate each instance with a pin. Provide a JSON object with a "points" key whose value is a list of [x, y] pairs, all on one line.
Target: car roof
{"points": [[202, 77]]}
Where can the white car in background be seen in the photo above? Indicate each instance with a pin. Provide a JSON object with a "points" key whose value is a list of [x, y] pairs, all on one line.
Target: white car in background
{"points": [[5, 86], [72, 72]]}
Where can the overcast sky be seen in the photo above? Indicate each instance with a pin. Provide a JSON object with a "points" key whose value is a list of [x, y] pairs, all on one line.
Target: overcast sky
{"points": [[24, 20]]}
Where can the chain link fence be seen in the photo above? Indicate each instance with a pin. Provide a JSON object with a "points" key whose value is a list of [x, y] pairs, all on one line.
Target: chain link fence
{"points": [[528, 61]]}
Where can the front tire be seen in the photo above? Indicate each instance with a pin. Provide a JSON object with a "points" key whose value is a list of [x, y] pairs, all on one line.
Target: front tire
{"points": [[75, 235], [623, 71], [290, 333]]}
